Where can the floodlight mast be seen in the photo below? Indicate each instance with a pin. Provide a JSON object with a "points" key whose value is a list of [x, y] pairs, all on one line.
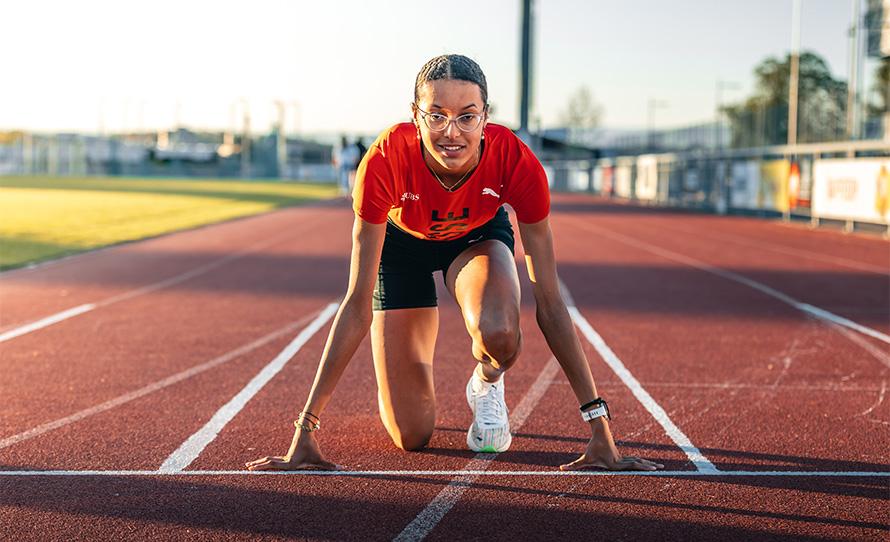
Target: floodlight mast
{"points": [[795, 70], [525, 67]]}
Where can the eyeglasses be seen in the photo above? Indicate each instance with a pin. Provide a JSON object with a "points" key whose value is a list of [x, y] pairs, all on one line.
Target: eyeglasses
{"points": [[438, 122]]}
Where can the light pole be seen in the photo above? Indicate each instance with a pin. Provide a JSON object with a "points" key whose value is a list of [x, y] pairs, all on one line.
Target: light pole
{"points": [[795, 69], [245, 134], [855, 52], [718, 112], [525, 69], [281, 140], [650, 120]]}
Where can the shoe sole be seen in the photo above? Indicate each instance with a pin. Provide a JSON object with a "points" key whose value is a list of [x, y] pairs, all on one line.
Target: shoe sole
{"points": [[487, 449]]}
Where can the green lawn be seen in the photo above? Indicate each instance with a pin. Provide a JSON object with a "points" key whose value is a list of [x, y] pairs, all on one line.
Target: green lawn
{"points": [[43, 218]]}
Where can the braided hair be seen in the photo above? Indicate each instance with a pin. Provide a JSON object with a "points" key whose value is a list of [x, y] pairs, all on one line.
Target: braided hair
{"points": [[454, 67]]}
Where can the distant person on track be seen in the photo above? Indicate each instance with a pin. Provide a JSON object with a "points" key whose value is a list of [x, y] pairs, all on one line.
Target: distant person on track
{"points": [[347, 162], [429, 197]]}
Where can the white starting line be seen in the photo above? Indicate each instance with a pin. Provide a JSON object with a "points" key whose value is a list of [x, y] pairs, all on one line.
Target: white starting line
{"points": [[451, 473]]}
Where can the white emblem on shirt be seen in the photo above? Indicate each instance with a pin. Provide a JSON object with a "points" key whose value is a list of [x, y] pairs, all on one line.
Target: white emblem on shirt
{"points": [[410, 196], [490, 192]]}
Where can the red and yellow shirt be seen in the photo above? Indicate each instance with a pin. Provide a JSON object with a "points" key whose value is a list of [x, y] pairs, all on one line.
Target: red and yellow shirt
{"points": [[394, 182]]}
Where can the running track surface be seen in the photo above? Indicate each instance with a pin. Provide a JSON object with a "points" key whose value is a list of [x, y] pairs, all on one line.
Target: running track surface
{"points": [[190, 354]]}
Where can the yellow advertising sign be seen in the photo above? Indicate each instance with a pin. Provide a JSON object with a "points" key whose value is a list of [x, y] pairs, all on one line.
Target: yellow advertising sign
{"points": [[773, 193]]}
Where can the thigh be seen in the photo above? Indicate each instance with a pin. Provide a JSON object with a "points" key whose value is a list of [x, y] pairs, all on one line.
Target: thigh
{"points": [[484, 282], [405, 277], [403, 343]]}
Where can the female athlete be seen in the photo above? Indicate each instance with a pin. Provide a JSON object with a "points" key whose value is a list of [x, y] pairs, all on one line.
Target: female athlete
{"points": [[428, 197]]}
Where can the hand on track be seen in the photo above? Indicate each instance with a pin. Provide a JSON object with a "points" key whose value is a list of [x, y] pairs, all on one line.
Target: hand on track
{"points": [[304, 454], [602, 453], [618, 462]]}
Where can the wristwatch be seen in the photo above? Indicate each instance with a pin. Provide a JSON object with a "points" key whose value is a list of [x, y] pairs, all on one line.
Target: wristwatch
{"points": [[595, 409]]}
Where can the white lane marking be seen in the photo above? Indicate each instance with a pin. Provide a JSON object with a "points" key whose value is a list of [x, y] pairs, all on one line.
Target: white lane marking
{"points": [[831, 317], [194, 445], [475, 473], [153, 387], [44, 322], [176, 279], [702, 464], [805, 307], [782, 249], [876, 352], [430, 516]]}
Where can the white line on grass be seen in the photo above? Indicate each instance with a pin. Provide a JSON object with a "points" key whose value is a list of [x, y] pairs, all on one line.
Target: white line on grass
{"points": [[460, 473], [192, 448], [430, 516], [155, 386], [702, 464], [805, 307]]}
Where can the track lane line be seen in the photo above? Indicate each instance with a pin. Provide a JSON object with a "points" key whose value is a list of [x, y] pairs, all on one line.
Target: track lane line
{"points": [[176, 279], [476, 473], [189, 450], [783, 249], [817, 312], [430, 516], [698, 459], [701, 463], [155, 386], [46, 322]]}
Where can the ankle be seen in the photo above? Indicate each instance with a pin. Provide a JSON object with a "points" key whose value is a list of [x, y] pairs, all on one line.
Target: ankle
{"points": [[488, 374]]}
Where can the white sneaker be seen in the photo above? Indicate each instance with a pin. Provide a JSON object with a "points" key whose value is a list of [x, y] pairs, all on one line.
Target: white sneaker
{"points": [[490, 430]]}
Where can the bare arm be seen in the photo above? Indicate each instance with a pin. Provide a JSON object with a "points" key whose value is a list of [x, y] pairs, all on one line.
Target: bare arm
{"points": [[353, 320], [350, 326], [559, 331]]}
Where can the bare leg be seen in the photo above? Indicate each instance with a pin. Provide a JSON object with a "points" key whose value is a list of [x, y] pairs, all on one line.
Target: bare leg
{"points": [[484, 281], [403, 342]]}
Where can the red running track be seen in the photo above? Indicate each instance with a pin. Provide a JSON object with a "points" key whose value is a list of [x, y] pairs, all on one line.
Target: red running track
{"points": [[691, 305]]}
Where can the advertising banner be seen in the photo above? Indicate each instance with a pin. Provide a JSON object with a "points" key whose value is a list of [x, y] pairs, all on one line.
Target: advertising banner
{"points": [[852, 189], [579, 180], [622, 181], [647, 177], [773, 193], [597, 184], [744, 184], [608, 180]]}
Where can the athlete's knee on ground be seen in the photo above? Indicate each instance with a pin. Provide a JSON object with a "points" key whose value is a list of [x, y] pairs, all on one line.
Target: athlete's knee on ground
{"points": [[412, 441], [410, 432]]}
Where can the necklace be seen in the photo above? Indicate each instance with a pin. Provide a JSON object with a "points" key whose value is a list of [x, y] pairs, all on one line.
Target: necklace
{"points": [[456, 185]]}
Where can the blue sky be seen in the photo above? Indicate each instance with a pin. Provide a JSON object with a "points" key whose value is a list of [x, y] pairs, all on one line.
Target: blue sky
{"points": [[349, 65]]}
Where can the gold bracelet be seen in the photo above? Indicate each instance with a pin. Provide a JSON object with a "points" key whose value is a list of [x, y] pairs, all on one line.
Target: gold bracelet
{"points": [[314, 424]]}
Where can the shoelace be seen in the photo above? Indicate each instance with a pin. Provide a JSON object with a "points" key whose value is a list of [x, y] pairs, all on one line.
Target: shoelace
{"points": [[491, 407]]}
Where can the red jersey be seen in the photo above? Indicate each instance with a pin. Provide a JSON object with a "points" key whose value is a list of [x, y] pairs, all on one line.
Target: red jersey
{"points": [[394, 181]]}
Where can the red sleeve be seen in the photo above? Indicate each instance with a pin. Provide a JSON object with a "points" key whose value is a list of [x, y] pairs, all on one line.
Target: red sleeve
{"points": [[528, 193], [372, 197]]}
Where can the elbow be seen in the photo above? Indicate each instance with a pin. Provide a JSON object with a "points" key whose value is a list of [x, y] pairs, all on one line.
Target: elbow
{"points": [[358, 310], [550, 310]]}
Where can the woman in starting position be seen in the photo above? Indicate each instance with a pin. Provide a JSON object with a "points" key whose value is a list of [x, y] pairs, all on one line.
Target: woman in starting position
{"points": [[429, 197]]}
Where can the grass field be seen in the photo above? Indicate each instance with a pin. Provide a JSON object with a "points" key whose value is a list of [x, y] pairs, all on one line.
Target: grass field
{"points": [[43, 218]]}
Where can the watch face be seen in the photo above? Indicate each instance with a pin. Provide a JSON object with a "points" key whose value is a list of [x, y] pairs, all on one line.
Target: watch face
{"points": [[595, 413]]}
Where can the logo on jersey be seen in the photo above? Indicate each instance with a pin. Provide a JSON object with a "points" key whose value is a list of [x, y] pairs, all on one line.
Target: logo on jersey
{"points": [[490, 192], [410, 196], [450, 225]]}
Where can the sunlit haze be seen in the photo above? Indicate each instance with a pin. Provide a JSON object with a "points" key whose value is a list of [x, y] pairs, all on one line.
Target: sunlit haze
{"points": [[97, 65]]}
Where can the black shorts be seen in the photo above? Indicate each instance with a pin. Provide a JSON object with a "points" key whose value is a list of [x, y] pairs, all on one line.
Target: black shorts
{"points": [[405, 278]]}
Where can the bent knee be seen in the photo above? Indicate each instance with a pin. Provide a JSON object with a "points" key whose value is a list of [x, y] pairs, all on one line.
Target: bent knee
{"points": [[501, 344]]}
